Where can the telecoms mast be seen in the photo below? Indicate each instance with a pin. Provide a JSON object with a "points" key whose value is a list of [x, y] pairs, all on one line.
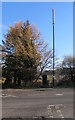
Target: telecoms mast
{"points": [[53, 43]]}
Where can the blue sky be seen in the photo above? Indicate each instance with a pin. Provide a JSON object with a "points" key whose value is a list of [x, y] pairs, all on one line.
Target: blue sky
{"points": [[41, 15]]}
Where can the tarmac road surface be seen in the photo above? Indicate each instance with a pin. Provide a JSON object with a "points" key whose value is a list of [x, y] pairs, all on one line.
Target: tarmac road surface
{"points": [[34, 103]]}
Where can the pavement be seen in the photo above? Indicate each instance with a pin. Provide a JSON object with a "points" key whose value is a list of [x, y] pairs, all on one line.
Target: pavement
{"points": [[35, 103]]}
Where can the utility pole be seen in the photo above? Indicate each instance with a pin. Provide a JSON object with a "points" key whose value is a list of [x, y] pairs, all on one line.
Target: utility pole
{"points": [[53, 47]]}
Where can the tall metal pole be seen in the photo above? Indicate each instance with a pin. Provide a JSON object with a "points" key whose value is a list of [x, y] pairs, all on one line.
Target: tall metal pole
{"points": [[53, 47]]}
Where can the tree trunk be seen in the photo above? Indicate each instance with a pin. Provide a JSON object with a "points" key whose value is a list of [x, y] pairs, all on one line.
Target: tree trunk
{"points": [[71, 71], [19, 81], [15, 78]]}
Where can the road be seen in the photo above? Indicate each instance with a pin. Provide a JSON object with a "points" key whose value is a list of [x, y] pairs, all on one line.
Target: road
{"points": [[33, 103]]}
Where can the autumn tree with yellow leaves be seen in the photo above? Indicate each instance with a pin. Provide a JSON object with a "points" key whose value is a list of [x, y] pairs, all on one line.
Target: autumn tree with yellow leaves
{"points": [[23, 52]]}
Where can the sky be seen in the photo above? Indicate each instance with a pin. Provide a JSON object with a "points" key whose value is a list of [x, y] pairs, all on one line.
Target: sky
{"points": [[74, 29], [40, 14]]}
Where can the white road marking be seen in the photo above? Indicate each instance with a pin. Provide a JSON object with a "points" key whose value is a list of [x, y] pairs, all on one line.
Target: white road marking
{"points": [[51, 105], [50, 114], [59, 94], [12, 96], [35, 117], [59, 112], [56, 106], [5, 95], [61, 116]]}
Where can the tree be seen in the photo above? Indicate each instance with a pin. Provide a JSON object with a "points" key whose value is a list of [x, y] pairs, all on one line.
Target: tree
{"points": [[67, 65], [46, 54], [23, 52]]}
